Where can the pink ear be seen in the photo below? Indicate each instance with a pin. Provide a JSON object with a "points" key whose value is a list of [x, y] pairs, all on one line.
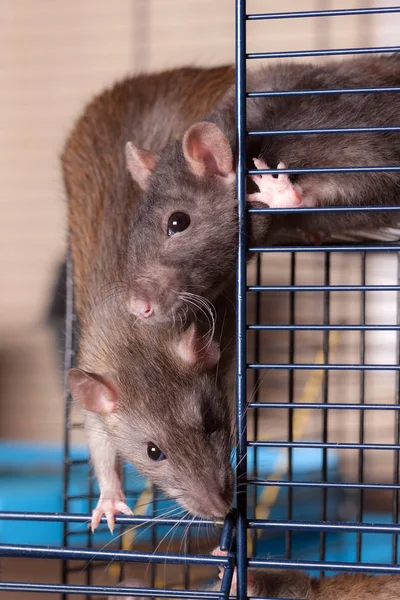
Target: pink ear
{"points": [[140, 164], [196, 350], [92, 392], [207, 151]]}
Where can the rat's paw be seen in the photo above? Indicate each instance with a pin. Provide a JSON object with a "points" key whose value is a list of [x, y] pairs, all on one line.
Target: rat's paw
{"points": [[276, 191], [218, 552], [109, 506]]}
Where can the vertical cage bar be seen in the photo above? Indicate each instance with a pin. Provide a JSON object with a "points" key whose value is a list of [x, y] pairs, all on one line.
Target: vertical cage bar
{"points": [[360, 512], [256, 396], [325, 400], [69, 361], [291, 374], [396, 465], [241, 448]]}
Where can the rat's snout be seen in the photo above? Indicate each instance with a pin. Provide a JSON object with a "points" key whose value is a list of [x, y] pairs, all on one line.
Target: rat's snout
{"points": [[140, 308], [154, 296], [214, 499]]}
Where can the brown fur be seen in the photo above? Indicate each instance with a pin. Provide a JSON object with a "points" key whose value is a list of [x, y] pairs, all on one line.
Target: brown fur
{"points": [[201, 259], [161, 398], [278, 583]]}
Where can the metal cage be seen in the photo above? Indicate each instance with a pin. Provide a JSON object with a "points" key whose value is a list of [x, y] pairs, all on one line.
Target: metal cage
{"points": [[294, 506]]}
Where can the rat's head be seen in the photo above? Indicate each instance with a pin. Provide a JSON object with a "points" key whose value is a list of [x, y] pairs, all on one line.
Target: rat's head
{"points": [[184, 240], [170, 417]]}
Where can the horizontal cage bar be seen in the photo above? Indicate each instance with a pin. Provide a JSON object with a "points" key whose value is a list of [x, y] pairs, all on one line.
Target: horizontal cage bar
{"points": [[359, 90], [378, 246], [327, 406], [326, 52], [57, 552], [369, 169], [323, 484], [322, 131], [324, 526], [344, 12], [324, 367], [321, 327], [323, 288], [56, 588], [323, 565], [322, 209], [327, 445], [81, 518]]}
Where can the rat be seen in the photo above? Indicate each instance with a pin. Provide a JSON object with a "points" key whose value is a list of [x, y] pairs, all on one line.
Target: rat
{"points": [[190, 217], [288, 583], [156, 398]]}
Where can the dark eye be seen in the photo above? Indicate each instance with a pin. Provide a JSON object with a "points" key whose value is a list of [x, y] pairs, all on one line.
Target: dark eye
{"points": [[154, 452], [178, 222]]}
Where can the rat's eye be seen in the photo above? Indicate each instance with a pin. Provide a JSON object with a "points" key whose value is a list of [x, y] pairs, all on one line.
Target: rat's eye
{"points": [[154, 452], [178, 222]]}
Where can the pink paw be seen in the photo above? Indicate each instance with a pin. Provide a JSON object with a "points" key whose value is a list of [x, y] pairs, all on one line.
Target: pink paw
{"points": [[109, 506], [218, 552], [277, 192]]}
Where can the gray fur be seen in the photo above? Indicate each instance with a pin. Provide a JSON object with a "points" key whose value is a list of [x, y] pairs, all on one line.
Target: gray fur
{"points": [[202, 258]]}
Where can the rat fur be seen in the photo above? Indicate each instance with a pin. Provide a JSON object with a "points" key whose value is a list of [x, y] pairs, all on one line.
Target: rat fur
{"points": [[142, 388]]}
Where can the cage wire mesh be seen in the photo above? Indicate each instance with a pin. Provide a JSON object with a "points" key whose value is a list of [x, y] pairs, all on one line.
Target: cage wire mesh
{"points": [[317, 391]]}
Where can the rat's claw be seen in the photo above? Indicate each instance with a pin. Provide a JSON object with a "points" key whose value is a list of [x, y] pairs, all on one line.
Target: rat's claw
{"points": [[275, 191], [218, 552], [109, 507]]}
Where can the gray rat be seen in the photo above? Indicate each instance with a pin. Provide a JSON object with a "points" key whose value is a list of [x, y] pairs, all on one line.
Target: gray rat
{"points": [[288, 583], [196, 176], [155, 398]]}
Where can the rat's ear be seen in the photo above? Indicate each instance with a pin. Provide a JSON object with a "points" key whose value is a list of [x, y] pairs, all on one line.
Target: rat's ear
{"points": [[140, 164], [196, 350], [92, 392], [208, 152]]}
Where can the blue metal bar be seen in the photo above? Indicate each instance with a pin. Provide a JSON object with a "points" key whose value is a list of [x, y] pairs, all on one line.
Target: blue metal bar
{"points": [[326, 566], [359, 90], [18, 550], [318, 405], [81, 518], [327, 52], [324, 367], [324, 526], [396, 459], [321, 209], [322, 131], [328, 445], [96, 590], [361, 416], [332, 248], [241, 419], [312, 327], [344, 12], [319, 484], [323, 288], [369, 169]]}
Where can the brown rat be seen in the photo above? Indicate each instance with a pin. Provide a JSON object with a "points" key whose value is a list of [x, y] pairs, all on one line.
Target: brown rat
{"points": [[196, 175], [156, 398], [288, 583], [278, 583]]}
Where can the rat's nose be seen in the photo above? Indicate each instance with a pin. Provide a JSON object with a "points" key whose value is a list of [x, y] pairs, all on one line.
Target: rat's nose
{"points": [[140, 308]]}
